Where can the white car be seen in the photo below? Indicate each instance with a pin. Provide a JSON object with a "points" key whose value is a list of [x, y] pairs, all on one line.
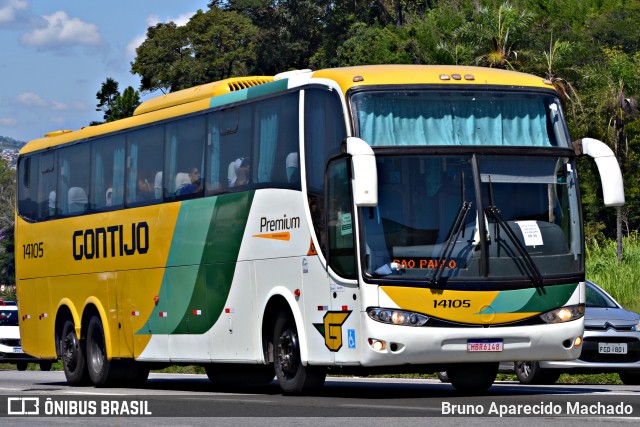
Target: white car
{"points": [[10, 348], [611, 344]]}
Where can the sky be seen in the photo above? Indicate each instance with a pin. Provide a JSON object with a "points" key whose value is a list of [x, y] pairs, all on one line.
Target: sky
{"points": [[55, 55]]}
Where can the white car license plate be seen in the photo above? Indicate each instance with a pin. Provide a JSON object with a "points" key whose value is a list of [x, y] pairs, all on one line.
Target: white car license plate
{"points": [[484, 345], [612, 348], [17, 350]]}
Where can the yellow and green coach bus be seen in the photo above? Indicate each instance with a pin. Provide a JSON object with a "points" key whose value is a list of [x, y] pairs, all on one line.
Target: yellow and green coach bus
{"points": [[385, 218]]}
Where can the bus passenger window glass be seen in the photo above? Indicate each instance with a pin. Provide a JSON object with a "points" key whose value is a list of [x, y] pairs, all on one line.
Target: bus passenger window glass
{"points": [[324, 131], [184, 153], [27, 184], [107, 174], [47, 196], [235, 148], [145, 150], [72, 197], [277, 138], [340, 220]]}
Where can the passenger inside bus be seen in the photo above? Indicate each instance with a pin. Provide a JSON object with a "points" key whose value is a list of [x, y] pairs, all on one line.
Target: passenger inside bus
{"points": [[239, 172], [78, 200], [194, 185]]}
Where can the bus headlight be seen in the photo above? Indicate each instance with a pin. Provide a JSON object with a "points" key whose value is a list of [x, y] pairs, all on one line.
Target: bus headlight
{"points": [[563, 314], [397, 317]]}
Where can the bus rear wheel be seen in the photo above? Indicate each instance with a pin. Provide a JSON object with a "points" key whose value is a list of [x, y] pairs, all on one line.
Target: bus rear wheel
{"points": [[101, 371], [293, 377], [472, 378], [72, 351]]}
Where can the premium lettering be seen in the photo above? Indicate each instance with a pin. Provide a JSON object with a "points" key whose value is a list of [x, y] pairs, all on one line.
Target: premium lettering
{"points": [[280, 224]]}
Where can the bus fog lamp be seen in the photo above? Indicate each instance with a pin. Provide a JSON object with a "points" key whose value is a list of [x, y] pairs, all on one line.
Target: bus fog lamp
{"points": [[578, 342], [377, 345], [397, 317]]}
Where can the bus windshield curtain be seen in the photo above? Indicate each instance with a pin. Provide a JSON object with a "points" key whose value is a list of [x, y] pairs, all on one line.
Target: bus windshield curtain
{"points": [[268, 142], [394, 121], [118, 177]]}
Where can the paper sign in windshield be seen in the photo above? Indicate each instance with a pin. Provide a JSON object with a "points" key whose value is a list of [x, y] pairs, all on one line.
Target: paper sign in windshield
{"points": [[531, 233]]}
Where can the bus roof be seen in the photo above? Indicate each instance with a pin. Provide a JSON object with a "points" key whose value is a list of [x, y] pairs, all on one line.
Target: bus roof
{"points": [[240, 88], [372, 75]]}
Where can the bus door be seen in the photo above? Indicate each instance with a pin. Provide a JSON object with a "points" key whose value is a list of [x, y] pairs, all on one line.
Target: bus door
{"points": [[342, 336]]}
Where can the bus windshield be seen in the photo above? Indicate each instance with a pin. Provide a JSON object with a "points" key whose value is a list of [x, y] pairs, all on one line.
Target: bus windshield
{"points": [[471, 216], [460, 118]]}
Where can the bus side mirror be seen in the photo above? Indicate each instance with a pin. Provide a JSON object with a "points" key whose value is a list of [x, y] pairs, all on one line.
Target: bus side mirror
{"points": [[364, 172], [608, 168]]}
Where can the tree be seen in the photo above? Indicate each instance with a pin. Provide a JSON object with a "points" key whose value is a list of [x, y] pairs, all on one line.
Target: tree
{"points": [[213, 45], [374, 45], [497, 32], [614, 85], [115, 105]]}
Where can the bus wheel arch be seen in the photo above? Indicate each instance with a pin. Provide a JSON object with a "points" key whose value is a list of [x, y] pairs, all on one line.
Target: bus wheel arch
{"points": [[284, 349]]}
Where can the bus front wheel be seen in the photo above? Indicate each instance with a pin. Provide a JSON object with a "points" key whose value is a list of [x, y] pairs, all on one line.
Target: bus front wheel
{"points": [[473, 377], [101, 371], [293, 377], [72, 352]]}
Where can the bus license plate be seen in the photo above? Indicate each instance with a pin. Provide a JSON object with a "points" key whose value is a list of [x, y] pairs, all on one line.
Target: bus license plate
{"points": [[484, 345], [612, 348], [17, 350]]}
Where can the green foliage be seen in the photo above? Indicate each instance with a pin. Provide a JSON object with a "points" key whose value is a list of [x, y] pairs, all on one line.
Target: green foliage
{"points": [[115, 105], [619, 280], [7, 208]]}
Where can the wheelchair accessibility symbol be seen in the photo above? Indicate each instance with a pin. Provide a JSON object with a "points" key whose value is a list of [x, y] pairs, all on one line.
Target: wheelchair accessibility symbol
{"points": [[351, 338]]}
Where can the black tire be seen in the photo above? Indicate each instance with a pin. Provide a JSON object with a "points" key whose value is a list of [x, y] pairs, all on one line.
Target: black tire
{"points": [[230, 375], [46, 365], [443, 376], [101, 371], [529, 372], [630, 378], [473, 378], [293, 377], [72, 351], [22, 366]]}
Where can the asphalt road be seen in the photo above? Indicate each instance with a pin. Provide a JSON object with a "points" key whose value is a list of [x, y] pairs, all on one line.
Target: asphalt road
{"points": [[178, 399]]}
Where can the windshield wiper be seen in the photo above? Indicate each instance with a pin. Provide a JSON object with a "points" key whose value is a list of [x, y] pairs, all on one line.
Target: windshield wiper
{"points": [[450, 244], [494, 212]]}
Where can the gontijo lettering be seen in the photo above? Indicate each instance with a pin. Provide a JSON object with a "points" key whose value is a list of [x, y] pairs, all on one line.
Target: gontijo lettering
{"points": [[112, 241]]}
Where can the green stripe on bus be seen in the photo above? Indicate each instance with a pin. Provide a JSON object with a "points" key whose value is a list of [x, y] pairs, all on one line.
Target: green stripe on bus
{"points": [[531, 300], [201, 264]]}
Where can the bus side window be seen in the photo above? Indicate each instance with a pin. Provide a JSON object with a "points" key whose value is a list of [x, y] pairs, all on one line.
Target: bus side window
{"points": [[185, 156], [27, 185], [73, 179], [107, 174], [145, 158], [277, 125]]}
